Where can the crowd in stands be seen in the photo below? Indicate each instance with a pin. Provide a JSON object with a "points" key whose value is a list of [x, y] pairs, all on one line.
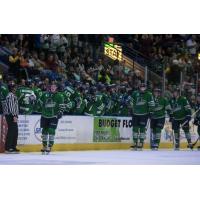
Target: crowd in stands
{"points": [[69, 57], [172, 53], [80, 58]]}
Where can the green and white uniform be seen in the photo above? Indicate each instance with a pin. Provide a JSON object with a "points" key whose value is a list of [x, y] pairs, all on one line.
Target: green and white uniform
{"points": [[52, 105], [69, 99], [26, 98], [80, 105], [181, 112], [162, 107], [38, 93], [142, 105], [95, 106]]}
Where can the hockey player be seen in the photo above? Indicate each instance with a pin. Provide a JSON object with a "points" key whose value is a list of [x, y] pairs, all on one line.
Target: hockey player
{"points": [[125, 101], [81, 101], [69, 94], [197, 116], [180, 117], [99, 103], [90, 109], [109, 105], [52, 105], [162, 107], [35, 86], [26, 98], [117, 99], [143, 104]]}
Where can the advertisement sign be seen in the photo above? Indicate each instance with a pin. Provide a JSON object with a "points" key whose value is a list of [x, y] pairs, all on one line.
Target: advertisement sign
{"points": [[112, 129], [83, 129], [113, 51], [71, 129]]}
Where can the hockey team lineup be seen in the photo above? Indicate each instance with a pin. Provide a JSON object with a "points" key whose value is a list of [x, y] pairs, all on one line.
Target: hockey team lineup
{"points": [[148, 108]]}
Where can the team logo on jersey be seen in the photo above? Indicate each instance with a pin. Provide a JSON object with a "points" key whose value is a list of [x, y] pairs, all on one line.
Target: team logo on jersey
{"points": [[49, 103], [38, 131]]}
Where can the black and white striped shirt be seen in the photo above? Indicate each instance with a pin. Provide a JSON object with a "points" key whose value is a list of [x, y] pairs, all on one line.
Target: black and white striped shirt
{"points": [[11, 105]]}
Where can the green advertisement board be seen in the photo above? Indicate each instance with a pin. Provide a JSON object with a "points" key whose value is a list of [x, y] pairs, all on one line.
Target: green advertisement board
{"points": [[106, 129]]}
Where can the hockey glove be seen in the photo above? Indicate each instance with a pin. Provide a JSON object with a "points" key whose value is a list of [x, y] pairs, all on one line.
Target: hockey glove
{"points": [[32, 99]]}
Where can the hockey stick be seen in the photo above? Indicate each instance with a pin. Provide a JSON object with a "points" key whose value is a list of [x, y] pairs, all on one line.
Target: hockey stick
{"points": [[181, 125]]}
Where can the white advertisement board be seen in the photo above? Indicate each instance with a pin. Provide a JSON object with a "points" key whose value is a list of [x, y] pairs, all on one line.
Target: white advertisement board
{"points": [[71, 129], [85, 129]]}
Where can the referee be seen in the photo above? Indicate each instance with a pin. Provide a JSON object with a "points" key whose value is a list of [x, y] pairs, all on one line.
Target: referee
{"points": [[11, 112]]}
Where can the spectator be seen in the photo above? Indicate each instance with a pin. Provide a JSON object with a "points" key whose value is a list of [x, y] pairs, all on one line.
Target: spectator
{"points": [[14, 62], [191, 45]]}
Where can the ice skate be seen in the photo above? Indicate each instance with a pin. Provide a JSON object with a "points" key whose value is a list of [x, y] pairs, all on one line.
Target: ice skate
{"points": [[48, 150], [154, 147], [177, 147], [190, 145], [134, 147], [43, 150], [140, 146]]}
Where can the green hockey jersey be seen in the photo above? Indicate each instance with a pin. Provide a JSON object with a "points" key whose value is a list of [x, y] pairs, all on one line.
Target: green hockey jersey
{"points": [[180, 108], [70, 92], [69, 104], [26, 97], [142, 103], [162, 107], [38, 92], [51, 104], [80, 105], [95, 106]]}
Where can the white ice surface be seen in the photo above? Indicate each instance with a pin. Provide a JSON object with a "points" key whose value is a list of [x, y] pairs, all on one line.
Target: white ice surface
{"points": [[117, 157]]}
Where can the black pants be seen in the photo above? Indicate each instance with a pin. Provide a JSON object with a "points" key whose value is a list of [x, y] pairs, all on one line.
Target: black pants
{"points": [[12, 134]]}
